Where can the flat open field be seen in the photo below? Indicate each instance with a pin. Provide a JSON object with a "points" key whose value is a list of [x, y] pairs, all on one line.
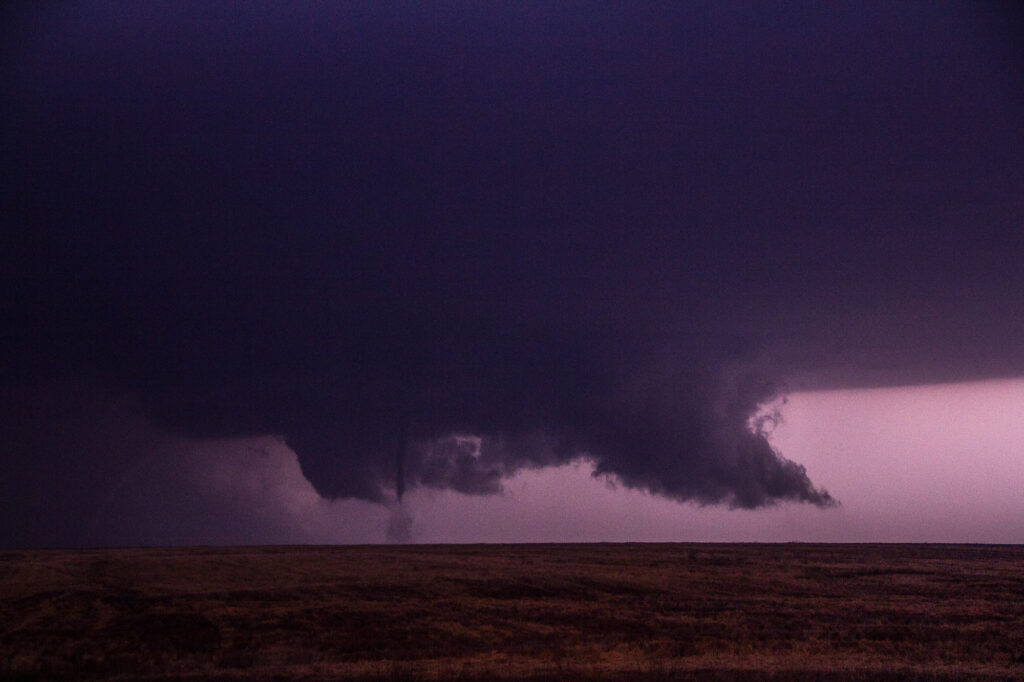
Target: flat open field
{"points": [[515, 611]]}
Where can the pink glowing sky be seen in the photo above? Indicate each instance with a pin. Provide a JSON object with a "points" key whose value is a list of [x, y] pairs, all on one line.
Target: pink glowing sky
{"points": [[925, 464], [938, 463]]}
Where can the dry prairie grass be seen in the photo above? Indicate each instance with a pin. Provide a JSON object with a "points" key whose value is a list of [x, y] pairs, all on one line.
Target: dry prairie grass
{"points": [[540, 612]]}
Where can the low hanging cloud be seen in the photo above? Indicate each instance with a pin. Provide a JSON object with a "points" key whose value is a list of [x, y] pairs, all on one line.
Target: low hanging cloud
{"points": [[84, 468], [678, 436]]}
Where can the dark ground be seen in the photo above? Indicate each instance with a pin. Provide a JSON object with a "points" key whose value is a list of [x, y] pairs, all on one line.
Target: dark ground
{"points": [[805, 612]]}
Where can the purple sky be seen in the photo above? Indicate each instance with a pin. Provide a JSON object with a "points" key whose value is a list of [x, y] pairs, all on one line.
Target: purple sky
{"points": [[263, 262]]}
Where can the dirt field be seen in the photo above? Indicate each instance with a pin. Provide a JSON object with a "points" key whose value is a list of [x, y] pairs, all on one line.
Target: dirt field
{"points": [[515, 611]]}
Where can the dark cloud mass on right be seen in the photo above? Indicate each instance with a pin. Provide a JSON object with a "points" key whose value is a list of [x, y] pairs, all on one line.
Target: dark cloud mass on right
{"points": [[478, 238]]}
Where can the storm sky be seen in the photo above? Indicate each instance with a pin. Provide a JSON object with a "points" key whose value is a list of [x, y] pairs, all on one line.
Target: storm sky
{"points": [[268, 267]]}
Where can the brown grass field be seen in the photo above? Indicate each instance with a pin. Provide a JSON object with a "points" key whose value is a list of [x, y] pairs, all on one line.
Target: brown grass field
{"points": [[539, 612]]}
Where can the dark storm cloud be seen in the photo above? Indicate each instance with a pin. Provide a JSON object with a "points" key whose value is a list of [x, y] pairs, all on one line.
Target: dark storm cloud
{"points": [[82, 467], [604, 230]]}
